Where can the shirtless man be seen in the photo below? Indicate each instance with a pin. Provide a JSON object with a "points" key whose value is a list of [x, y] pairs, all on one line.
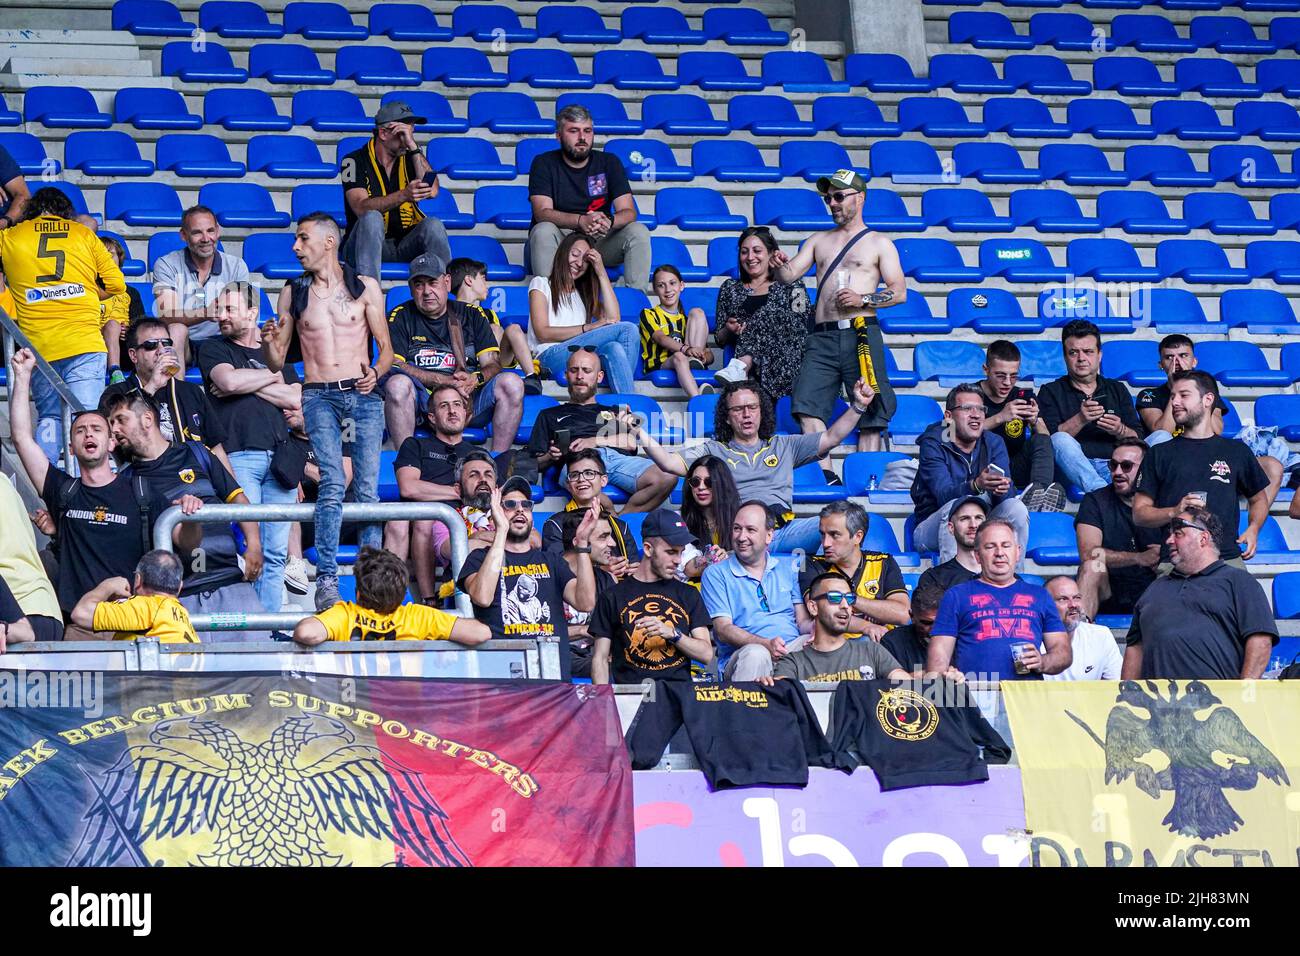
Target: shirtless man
{"points": [[844, 295], [335, 314]]}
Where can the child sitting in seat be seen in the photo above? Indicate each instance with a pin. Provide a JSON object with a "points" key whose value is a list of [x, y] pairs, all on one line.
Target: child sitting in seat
{"points": [[469, 285], [670, 339]]}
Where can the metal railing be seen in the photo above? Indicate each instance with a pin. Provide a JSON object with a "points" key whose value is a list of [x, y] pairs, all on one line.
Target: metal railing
{"points": [[377, 511], [12, 338]]}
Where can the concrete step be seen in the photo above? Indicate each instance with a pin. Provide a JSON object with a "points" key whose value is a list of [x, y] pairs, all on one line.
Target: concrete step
{"points": [[38, 69]]}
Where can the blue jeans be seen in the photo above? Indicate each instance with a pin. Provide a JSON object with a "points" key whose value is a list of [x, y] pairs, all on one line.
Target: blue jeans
{"points": [[367, 247], [331, 416], [1088, 473], [800, 535], [253, 472], [932, 534], [84, 375], [618, 345]]}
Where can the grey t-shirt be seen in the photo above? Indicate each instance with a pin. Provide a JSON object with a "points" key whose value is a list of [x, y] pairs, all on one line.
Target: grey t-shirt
{"points": [[858, 659], [176, 271], [763, 471]]}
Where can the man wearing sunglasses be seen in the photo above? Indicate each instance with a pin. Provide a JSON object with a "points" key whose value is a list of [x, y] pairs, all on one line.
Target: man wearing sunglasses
{"points": [[1117, 556], [1203, 620]]}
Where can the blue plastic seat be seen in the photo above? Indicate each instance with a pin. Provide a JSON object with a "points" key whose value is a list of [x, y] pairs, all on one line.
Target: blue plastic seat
{"points": [[1058, 305], [607, 113], [1271, 546], [1274, 122], [1249, 166], [570, 23], [800, 71], [851, 116], [649, 159], [150, 18], [432, 107], [1224, 214], [915, 413], [142, 204], [1019, 260], [153, 108], [1079, 164], [243, 205], [1212, 77], [331, 111], [732, 161], [9, 117], [990, 312], [467, 157], [861, 466], [291, 63], [1136, 363], [962, 210], [1197, 260], [1106, 119], [64, 107], [195, 154], [715, 70], [1284, 210], [810, 486], [104, 153], [318, 197], [742, 26], [765, 115], [935, 260], [986, 31], [682, 114], [1043, 74], [1240, 364], [29, 153], [1051, 538], [373, 66], [1261, 311], [810, 161], [460, 66], [238, 19], [489, 252], [791, 209], [443, 208], [527, 151], [1164, 166], [907, 161], [1229, 35], [1068, 31], [322, 21], [696, 209], [1139, 212], [884, 73], [631, 70], [162, 243], [1169, 310], [659, 25], [505, 207], [912, 316], [1108, 260], [1282, 412], [490, 22], [1285, 31], [669, 250], [287, 157], [1150, 34], [1041, 361], [1050, 210], [1132, 76], [1286, 597], [992, 163], [937, 116], [967, 73], [885, 211], [1190, 119], [547, 69], [507, 112], [1021, 116], [407, 22], [1279, 261], [655, 418], [244, 109], [271, 254]]}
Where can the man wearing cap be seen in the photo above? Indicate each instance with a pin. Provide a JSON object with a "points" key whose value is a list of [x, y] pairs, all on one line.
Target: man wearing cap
{"points": [[846, 345], [438, 342], [383, 182], [650, 626], [963, 521]]}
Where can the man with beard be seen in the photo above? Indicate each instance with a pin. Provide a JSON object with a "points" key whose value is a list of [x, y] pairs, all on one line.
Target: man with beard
{"points": [[1011, 411], [577, 188], [963, 521], [610, 567], [650, 626], [1201, 468], [1095, 655], [517, 589], [910, 643], [1117, 558]]}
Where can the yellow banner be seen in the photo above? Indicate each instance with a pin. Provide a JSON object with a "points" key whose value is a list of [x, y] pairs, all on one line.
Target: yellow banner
{"points": [[1159, 773]]}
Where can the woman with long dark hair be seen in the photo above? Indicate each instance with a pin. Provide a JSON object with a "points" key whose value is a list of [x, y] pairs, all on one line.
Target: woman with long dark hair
{"points": [[709, 504], [766, 319], [575, 305]]}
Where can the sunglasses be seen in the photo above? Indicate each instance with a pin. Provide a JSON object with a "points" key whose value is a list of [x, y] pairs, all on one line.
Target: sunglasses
{"points": [[152, 345], [587, 474], [837, 597], [701, 481], [518, 504], [1178, 524], [1124, 466], [762, 599], [838, 197], [582, 348]]}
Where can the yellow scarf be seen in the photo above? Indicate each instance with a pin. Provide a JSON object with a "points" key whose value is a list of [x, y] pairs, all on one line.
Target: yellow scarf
{"points": [[409, 212]]}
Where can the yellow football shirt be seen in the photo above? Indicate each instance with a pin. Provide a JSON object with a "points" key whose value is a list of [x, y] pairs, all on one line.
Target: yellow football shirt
{"points": [[146, 615], [347, 621], [7, 303], [54, 267], [673, 325]]}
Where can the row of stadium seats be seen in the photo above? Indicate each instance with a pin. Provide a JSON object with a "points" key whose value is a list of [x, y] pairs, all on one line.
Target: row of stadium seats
{"points": [[1073, 31], [1264, 6]]}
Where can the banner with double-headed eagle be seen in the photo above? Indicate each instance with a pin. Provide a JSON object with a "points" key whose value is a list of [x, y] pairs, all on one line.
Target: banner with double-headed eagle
{"points": [[1159, 773], [309, 770]]}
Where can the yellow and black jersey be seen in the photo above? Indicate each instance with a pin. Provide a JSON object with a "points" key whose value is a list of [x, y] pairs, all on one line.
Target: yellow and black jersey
{"points": [[878, 576], [346, 621], [146, 615], [657, 319]]}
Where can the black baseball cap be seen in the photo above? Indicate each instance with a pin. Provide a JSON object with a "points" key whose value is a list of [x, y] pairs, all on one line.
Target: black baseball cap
{"points": [[515, 483], [667, 525], [395, 111], [971, 500], [428, 265]]}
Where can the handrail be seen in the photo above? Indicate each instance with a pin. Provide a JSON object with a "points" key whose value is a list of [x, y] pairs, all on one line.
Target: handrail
{"points": [[69, 403]]}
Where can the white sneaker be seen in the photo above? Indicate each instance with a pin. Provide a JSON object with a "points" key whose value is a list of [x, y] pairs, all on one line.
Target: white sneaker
{"points": [[734, 372], [295, 575]]}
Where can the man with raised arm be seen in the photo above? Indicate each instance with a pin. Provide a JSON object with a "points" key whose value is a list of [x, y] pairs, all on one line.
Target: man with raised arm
{"points": [[331, 314]]}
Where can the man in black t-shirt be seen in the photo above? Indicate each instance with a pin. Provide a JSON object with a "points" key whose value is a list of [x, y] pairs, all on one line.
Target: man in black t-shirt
{"points": [[1085, 412], [650, 626], [963, 524], [1117, 558], [577, 188], [383, 183], [911, 643], [1011, 411], [1202, 468]]}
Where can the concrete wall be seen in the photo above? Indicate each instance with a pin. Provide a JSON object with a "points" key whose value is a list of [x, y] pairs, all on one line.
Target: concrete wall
{"points": [[867, 26]]}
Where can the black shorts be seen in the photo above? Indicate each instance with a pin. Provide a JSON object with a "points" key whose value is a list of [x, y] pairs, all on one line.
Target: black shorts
{"points": [[830, 368]]}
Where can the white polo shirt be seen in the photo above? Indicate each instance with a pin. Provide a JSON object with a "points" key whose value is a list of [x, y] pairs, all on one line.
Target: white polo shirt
{"points": [[1096, 655]]}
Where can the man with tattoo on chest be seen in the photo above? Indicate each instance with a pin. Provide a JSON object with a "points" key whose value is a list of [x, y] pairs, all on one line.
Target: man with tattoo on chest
{"points": [[329, 315]]}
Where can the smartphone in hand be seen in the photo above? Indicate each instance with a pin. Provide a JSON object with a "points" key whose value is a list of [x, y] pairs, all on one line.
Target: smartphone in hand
{"points": [[563, 437]]}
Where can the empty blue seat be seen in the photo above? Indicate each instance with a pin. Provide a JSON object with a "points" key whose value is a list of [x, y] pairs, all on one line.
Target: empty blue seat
{"points": [[407, 22], [1022, 116], [1261, 311], [1079, 164], [1224, 214], [570, 23], [150, 18], [547, 69], [505, 207], [373, 66], [962, 210], [1050, 210], [1212, 77], [810, 486], [1279, 261], [1150, 34], [1282, 412], [467, 157], [935, 260], [322, 21], [243, 205], [607, 113], [915, 413], [490, 22], [161, 243], [1169, 310], [1249, 166], [732, 161], [1138, 211], [1068, 31], [912, 316], [696, 209], [811, 161], [460, 66], [861, 466], [990, 312], [1197, 260], [654, 417], [669, 250], [1132, 362], [64, 107], [1019, 260], [967, 73], [1132, 76], [1190, 119], [742, 26], [507, 112], [659, 25], [937, 116], [715, 70], [986, 31], [1240, 364], [1058, 305], [1285, 31], [331, 111], [1229, 35], [432, 107], [631, 70], [152, 108], [1108, 260], [1284, 210], [9, 117], [290, 63], [1041, 361], [29, 153], [1286, 601], [195, 154], [649, 160], [491, 253], [682, 114], [883, 73], [1051, 538], [319, 197], [1043, 74], [764, 115], [443, 208], [1164, 166], [244, 110], [238, 18], [1271, 546], [1268, 121], [851, 116], [1106, 119], [885, 211], [992, 163], [791, 209], [104, 153], [287, 157], [271, 254], [908, 161], [142, 204], [799, 70]]}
